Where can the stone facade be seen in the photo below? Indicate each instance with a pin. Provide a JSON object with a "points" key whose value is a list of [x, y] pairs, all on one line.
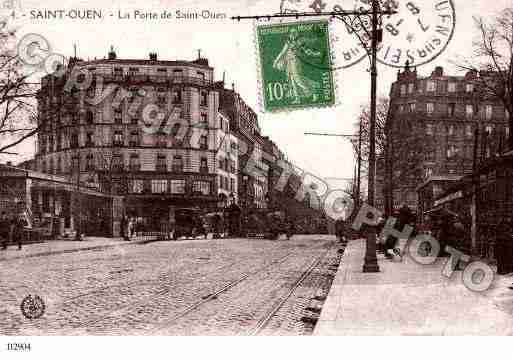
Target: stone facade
{"points": [[433, 122]]}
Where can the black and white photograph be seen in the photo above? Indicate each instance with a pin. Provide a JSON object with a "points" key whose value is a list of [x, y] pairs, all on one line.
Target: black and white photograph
{"points": [[237, 168]]}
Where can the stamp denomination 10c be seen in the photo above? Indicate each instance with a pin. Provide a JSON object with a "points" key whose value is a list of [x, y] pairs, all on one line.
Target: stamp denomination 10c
{"points": [[295, 64]]}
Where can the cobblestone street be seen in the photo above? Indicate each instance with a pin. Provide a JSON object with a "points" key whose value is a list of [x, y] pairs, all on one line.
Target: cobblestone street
{"points": [[202, 287]]}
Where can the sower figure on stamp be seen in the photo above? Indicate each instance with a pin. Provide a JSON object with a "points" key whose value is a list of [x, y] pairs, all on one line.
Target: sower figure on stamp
{"points": [[289, 60]]}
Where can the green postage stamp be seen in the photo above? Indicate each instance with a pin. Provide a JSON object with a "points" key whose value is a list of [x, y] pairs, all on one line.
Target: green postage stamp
{"points": [[295, 65]]}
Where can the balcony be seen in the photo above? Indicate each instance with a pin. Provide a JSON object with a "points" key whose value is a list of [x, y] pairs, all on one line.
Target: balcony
{"points": [[163, 78], [177, 169], [161, 168]]}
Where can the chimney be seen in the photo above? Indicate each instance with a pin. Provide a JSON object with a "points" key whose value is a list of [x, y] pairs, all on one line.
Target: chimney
{"points": [[9, 163], [112, 53], [153, 56], [439, 71]]}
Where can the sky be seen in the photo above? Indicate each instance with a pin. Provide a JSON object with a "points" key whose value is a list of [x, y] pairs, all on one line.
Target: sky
{"points": [[229, 46]]}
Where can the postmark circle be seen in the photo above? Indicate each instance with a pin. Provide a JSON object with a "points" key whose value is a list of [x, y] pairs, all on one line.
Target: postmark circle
{"points": [[418, 33], [32, 307]]}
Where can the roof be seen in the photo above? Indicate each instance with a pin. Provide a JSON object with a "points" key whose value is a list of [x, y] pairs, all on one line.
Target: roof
{"points": [[145, 62], [438, 179]]}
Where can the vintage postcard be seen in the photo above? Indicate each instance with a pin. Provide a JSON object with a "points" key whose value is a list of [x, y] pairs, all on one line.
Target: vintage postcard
{"points": [[254, 168]]}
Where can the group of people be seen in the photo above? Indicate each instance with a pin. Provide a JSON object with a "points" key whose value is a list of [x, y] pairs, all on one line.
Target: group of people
{"points": [[11, 229]]}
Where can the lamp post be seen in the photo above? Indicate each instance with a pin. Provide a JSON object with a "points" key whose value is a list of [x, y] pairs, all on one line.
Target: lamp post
{"points": [[370, 264], [245, 179]]}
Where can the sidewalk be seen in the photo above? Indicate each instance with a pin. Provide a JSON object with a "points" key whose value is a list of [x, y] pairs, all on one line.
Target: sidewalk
{"points": [[407, 298], [65, 246]]}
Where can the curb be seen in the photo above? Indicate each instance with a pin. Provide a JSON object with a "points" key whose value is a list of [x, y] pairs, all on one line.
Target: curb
{"points": [[65, 251]]}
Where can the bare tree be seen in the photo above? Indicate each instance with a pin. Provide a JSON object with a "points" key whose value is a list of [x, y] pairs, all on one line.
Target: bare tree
{"points": [[493, 60], [381, 135], [18, 111], [399, 148]]}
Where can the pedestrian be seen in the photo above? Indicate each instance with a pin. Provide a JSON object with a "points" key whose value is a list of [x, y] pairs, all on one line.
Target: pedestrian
{"points": [[290, 229], [131, 226], [5, 229], [124, 228], [18, 224]]}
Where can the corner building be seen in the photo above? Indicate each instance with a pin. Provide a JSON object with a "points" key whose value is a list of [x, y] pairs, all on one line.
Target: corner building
{"points": [[98, 133], [432, 130]]}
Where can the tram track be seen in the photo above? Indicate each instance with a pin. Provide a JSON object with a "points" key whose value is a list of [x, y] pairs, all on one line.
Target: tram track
{"points": [[214, 295], [264, 321]]}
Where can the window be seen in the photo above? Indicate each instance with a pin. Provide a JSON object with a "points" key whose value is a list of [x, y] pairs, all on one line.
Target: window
{"points": [[133, 70], [203, 165], [451, 87], [203, 142], [74, 140], [430, 155], [59, 165], [488, 112], [158, 186], [89, 117], [50, 144], [401, 108], [161, 164], [469, 87], [177, 186], [410, 88], [162, 70], [177, 96], [134, 163], [161, 139], [451, 151], [506, 130], [134, 120], [134, 139], [202, 187], [136, 186], [403, 90], [204, 119], [232, 166], [450, 109], [204, 98], [232, 184], [506, 113], [429, 129], [489, 129], [117, 162], [178, 72], [469, 111], [118, 116], [431, 86], [177, 165], [118, 138], [89, 140], [161, 100], [221, 163], [118, 71], [412, 107], [450, 130], [89, 165], [468, 130], [201, 75], [430, 107]]}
